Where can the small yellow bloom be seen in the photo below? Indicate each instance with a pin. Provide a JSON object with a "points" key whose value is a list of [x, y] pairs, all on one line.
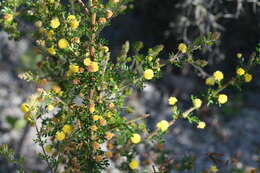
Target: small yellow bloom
{"points": [[201, 125], [102, 20], [136, 138], [71, 17], [63, 43], [74, 68], [98, 158], [134, 164], [48, 148], [222, 98], [102, 122], [95, 145], [213, 168], [248, 77], [93, 128], [109, 14], [163, 125], [109, 114], [210, 81], [240, 71], [75, 40], [172, 100], [51, 51], [218, 75], [149, 58], [182, 47], [96, 117], [148, 74], [8, 17], [60, 136], [109, 135], [239, 55], [197, 103], [93, 67], [74, 24], [24, 108], [109, 154], [91, 108], [67, 129], [56, 89], [111, 106], [55, 23], [87, 61], [50, 107]]}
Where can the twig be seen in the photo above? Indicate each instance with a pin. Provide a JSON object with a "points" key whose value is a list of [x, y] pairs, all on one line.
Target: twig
{"points": [[84, 6]]}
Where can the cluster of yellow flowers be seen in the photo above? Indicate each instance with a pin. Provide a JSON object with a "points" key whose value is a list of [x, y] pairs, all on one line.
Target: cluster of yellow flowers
{"points": [[92, 66], [247, 77], [60, 135]]}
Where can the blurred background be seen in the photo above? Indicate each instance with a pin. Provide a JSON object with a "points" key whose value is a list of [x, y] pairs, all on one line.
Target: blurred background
{"points": [[232, 130]]}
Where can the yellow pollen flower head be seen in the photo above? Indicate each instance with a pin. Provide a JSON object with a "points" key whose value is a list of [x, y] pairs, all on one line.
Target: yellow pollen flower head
{"points": [[87, 61], [136, 138], [95, 145], [172, 100], [91, 108], [93, 128], [148, 74], [55, 23], [93, 67], [74, 24], [102, 20], [201, 125], [51, 51], [240, 71], [71, 17], [239, 55], [63, 43], [182, 47], [109, 154], [102, 122], [222, 98], [8, 17], [248, 77], [56, 89], [218, 75], [98, 158], [163, 125], [67, 129], [96, 117], [74, 68], [213, 168], [109, 135], [134, 164], [109, 14], [50, 107], [210, 81], [48, 148], [24, 108], [60, 136], [197, 103], [111, 105]]}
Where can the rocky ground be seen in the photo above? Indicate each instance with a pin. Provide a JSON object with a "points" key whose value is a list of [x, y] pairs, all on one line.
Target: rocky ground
{"points": [[234, 133]]}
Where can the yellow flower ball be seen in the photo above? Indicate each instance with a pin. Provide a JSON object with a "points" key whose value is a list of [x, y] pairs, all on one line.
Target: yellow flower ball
{"points": [[109, 135], [98, 158], [24, 108], [218, 75], [210, 81], [93, 128], [63, 43], [50, 107], [71, 17], [60, 136], [201, 125], [163, 125], [51, 51], [222, 98], [240, 71], [93, 67], [172, 100], [248, 77], [8, 17], [109, 154], [56, 89], [134, 164], [96, 117], [74, 24], [74, 68], [67, 129], [239, 55], [55, 23], [136, 138], [148, 74], [95, 145], [87, 61], [109, 14], [182, 47], [102, 20], [91, 108], [197, 103], [48, 148]]}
